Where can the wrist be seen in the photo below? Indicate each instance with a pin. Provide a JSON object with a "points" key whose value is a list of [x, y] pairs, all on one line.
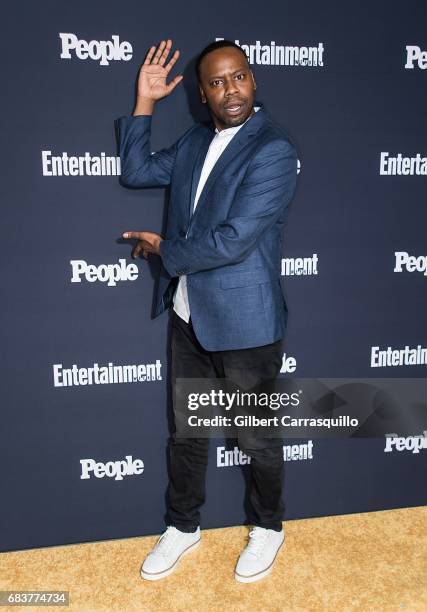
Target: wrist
{"points": [[158, 243], [143, 106]]}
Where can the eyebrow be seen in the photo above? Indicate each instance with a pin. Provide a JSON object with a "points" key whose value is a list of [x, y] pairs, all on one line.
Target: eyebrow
{"points": [[217, 76]]}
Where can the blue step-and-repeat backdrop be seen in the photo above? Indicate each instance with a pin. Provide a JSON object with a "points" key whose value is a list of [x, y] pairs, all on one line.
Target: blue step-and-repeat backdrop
{"points": [[85, 367]]}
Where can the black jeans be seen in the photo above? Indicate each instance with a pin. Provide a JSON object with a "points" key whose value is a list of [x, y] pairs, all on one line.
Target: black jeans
{"points": [[189, 457]]}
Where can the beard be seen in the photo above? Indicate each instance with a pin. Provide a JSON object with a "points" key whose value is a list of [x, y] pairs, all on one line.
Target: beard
{"points": [[227, 120]]}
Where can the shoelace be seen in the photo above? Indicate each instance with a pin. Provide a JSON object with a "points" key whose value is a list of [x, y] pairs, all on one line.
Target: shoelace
{"points": [[257, 539], [166, 540]]}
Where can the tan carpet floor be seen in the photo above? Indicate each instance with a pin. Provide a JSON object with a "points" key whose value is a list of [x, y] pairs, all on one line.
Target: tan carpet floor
{"points": [[369, 562]]}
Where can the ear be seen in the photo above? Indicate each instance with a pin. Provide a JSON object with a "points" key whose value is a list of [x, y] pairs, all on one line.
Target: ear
{"points": [[253, 79], [202, 94]]}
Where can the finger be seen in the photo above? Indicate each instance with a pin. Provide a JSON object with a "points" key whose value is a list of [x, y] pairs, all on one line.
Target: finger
{"points": [[172, 61], [145, 254], [174, 83], [159, 52], [149, 55], [128, 235], [165, 53], [137, 250]]}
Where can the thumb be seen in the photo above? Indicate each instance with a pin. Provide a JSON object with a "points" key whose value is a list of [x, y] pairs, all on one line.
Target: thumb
{"points": [[174, 83], [131, 235]]}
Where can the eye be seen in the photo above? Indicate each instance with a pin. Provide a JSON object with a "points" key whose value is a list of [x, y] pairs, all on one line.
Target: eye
{"points": [[215, 82], [240, 76]]}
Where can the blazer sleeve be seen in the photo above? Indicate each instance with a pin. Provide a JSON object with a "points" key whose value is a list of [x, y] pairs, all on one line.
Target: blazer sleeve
{"points": [[139, 166], [260, 201]]}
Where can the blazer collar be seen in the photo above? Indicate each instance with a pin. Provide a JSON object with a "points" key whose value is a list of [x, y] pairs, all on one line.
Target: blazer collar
{"points": [[246, 132], [253, 124]]}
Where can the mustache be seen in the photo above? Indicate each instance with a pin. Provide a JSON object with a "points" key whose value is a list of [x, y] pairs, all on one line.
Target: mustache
{"points": [[234, 103]]}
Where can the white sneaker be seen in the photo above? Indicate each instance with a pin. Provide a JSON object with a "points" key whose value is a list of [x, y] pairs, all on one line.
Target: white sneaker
{"points": [[257, 559], [168, 550]]}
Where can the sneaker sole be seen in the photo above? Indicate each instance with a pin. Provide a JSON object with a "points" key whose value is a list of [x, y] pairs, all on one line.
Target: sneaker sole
{"points": [[259, 575], [167, 572]]}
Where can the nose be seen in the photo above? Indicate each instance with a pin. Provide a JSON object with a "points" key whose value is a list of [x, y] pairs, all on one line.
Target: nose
{"points": [[230, 87]]}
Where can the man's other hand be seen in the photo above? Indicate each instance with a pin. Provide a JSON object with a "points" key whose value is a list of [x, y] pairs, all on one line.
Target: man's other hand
{"points": [[148, 243]]}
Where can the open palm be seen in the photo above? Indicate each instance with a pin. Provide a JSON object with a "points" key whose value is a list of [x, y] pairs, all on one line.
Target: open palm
{"points": [[154, 71]]}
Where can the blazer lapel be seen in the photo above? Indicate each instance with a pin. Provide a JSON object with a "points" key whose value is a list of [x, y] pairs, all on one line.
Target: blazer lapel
{"points": [[237, 143], [197, 168]]}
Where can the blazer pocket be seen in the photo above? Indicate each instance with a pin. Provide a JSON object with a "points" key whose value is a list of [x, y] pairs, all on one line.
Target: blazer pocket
{"points": [[245, 279]]}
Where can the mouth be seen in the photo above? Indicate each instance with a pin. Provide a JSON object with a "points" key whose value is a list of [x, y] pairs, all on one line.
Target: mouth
{"points": [[234, 109]]}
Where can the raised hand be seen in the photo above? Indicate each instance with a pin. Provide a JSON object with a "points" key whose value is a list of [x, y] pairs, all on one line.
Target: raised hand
{"points": [[152, 77]]}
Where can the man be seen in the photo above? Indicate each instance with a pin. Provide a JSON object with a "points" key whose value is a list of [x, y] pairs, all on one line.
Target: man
{"points": [[231, 184]]}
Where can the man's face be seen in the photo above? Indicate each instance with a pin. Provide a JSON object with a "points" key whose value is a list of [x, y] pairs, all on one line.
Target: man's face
{"points": [[227, 86]]}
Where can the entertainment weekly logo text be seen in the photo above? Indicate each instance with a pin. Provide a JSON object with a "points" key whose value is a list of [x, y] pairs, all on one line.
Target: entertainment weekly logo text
{"points": [[393, 357], [274, 54], [401, 165], [291, 452], [80, 165], [110, 374], [300, 266]]}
